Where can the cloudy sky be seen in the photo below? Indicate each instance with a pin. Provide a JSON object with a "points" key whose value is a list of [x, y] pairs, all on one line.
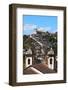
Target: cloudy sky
{"points": [[46, 23]]}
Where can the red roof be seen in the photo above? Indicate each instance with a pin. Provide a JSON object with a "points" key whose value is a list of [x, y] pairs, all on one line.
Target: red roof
{"points": [[43, 68]]}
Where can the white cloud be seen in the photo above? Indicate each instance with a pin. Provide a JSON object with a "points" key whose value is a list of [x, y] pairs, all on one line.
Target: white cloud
{"points": [[29, 26], [33, 26], [45, 28]]}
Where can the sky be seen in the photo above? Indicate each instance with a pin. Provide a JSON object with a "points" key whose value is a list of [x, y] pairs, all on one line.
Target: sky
{"points": [[45, 23]]}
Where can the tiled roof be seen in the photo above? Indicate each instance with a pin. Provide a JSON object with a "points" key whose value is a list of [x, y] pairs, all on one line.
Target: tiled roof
{"points": [[29, 71], [51, 52], [29, 51], [43, 68]]}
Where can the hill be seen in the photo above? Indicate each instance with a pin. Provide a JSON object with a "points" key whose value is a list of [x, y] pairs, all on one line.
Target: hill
{"points": [[40, 39]]}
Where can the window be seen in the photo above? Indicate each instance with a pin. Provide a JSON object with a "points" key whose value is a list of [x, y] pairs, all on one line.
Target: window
{"points": [[28, 61], [51, 61]]}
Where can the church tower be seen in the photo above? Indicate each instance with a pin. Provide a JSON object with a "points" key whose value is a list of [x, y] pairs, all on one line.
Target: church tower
{"points": [[51, 59]]}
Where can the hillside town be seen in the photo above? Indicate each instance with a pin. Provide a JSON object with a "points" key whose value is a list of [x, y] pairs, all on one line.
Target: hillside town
{"points": [[40, 52]]}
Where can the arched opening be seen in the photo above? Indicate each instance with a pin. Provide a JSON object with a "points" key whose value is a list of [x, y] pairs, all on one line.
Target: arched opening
{"points": [[51, 61], [28, 61]]}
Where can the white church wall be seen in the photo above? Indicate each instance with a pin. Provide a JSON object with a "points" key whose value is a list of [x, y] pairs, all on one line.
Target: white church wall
{"points": [[28, 64], [51, 66]]}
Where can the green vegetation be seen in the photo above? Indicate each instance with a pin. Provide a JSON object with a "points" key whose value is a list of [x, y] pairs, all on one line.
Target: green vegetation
{"points": [[47, 39]]}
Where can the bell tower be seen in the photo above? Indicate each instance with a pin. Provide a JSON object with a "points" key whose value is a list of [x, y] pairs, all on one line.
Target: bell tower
{"points": [[51, 59]]}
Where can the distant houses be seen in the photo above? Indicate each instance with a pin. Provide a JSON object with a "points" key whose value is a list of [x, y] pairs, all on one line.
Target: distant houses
{"points": [[39, 54]]}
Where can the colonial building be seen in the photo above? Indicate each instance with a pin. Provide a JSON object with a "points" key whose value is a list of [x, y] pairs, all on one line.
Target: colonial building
{"points": [[32, 67], [28, 58], [50, 60], [39, 55]]}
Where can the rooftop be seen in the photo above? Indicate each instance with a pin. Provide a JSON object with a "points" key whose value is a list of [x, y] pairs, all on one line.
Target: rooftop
{"points": [[29, 51], [43, 68], [51, 52]]}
